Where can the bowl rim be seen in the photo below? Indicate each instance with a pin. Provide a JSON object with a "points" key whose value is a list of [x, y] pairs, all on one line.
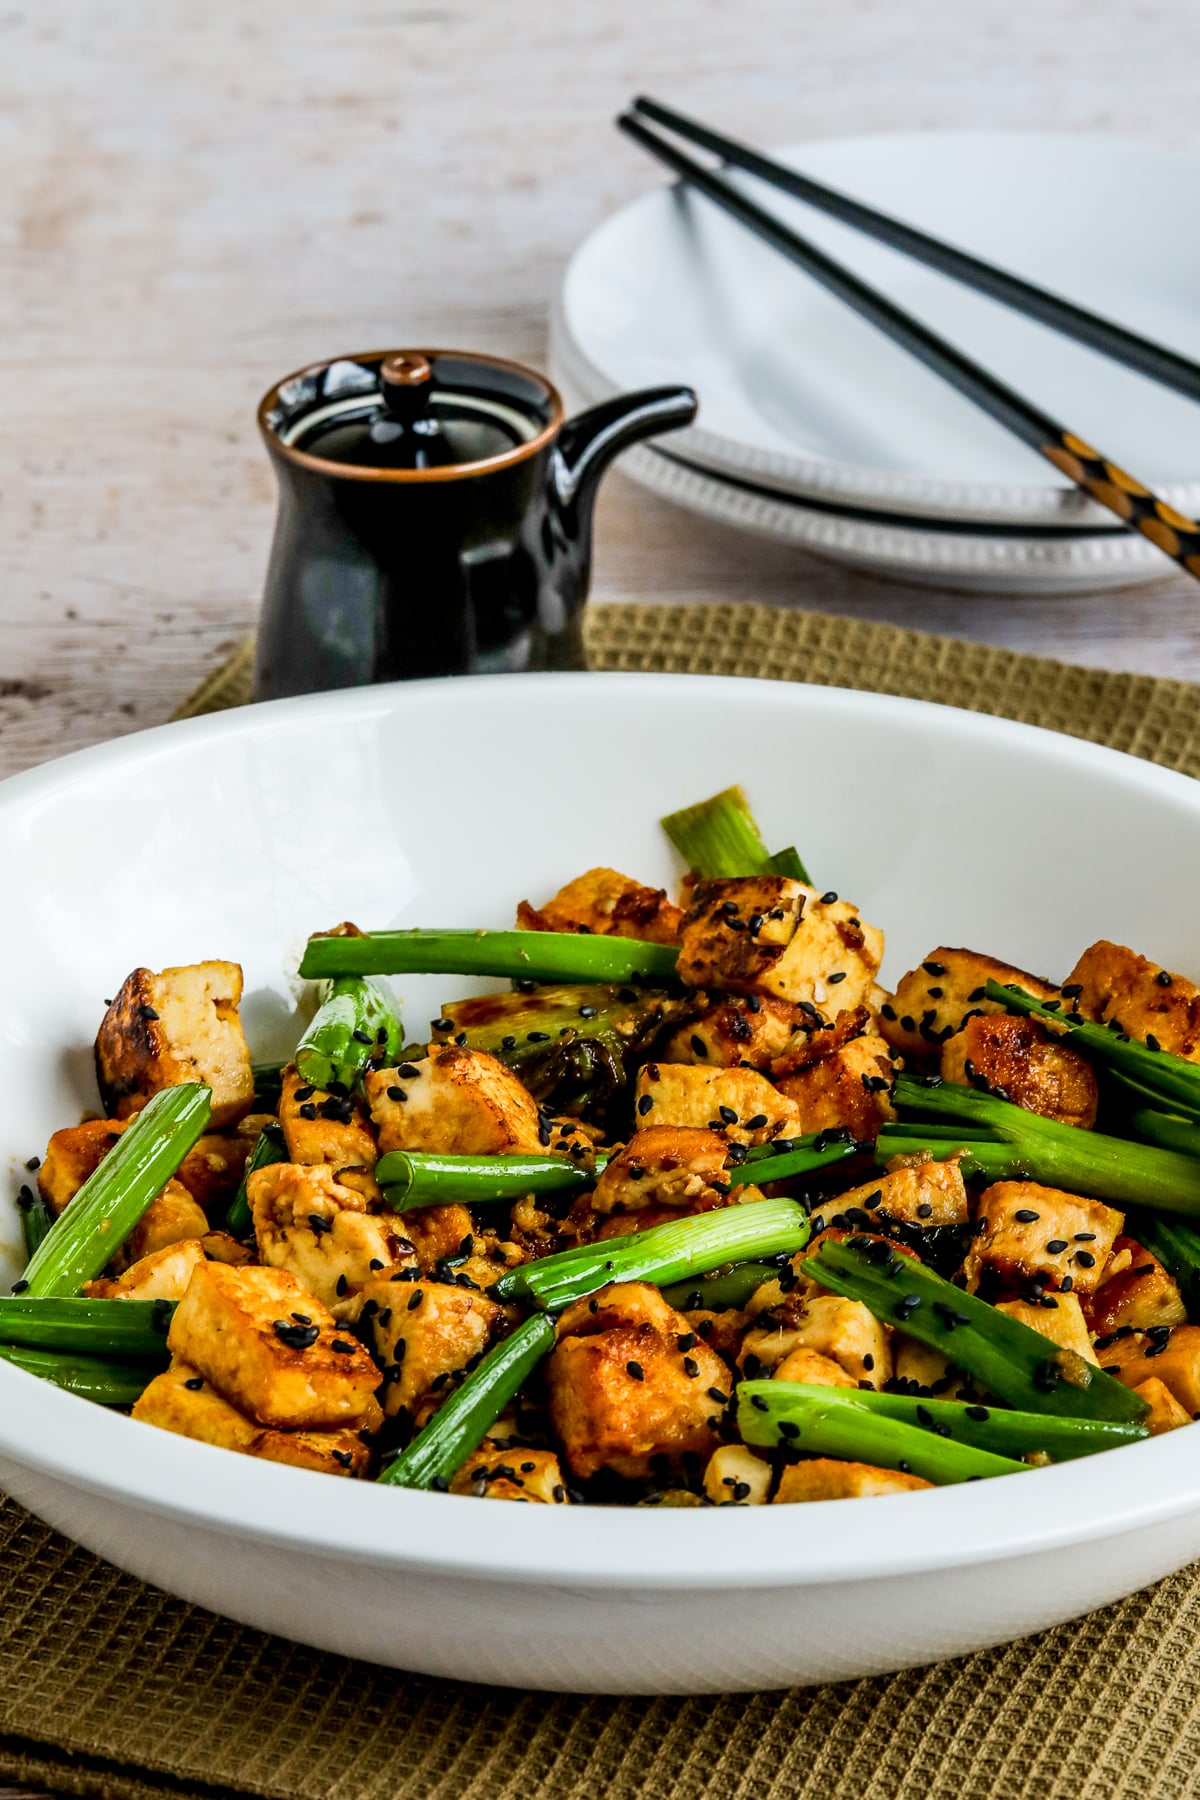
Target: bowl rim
{"points": [[55, 1435]]}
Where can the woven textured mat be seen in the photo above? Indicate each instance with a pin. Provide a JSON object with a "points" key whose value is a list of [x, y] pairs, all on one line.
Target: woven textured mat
{"points": [[110, 1688]]}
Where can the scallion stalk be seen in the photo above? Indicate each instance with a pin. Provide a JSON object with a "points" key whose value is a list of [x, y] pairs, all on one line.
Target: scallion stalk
{"points": [[411, 1178], [818, 1420], [95, 1327], [561, 956], [270, 1147], [355, 1023], [95, 1378]]}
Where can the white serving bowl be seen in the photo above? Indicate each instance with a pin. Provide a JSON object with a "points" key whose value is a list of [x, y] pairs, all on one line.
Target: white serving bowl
{"points": [[446, 803]]}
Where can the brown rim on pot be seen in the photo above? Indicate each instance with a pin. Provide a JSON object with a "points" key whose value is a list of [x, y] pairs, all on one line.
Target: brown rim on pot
{"points": [[320, 465]]}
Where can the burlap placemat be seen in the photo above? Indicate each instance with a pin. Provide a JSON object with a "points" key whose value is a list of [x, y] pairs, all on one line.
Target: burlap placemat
{"points": [[110, 1688]]}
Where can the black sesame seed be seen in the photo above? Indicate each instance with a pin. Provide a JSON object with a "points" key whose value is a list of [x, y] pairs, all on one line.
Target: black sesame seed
{"points": [[934, 968], [341, 1346], [1085, 1259], [195, 1384], [341, 1286], [146, 1012], [868, 1362], [1163, 979], [636, 1370], [758, 1403], [839, 975], [907, 1022], [691, 1367], [1026, 1217], [714, 1393], [416, 1299], [756, 1123], [361, 1037], [296, 1337], [644, 1104], [1056, 1245]]}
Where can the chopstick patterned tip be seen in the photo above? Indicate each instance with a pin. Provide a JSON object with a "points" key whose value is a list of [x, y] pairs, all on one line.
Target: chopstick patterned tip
{"points": [[1172, 531]]}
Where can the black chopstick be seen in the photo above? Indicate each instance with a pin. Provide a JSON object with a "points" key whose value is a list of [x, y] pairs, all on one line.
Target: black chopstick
{"points": [[1136, 352], [1131, 500]]}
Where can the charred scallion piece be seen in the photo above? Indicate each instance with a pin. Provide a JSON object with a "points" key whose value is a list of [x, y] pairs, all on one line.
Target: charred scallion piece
{"points": [[268, 1085], [990, 1428], [36, 1218], [97, 1378], [411, 1178], [662, 1254], [94, 1327], [466, 1417], [721, 1293], [519, 955], [1007, 1358], [112, 1200], [819, 1420], [819, 1150], [1160, 1072], [355, 1024], [270, 1148], [718, 839], [1026, 1145], [1166, 1130]]}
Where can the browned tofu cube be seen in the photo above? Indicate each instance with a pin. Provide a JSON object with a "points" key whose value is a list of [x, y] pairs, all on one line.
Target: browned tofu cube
{"points": [[924, 1195], [1031, 1233], [631, 1386], [737, 1030], [664, 1165], [180, 1025], [1174, 1360], [163, 1275], [1165, 1413], [182, 1401], [71, 1156], [821, 1478], [1059, 1317], [1114, 985], [735, 1476], [172, 1217], [851, 1088], [455, 1100], [218, 1246], [610, 905], [324, 1128], [423, 1333], [1136, 1291], [738, 1104], [813, 1369], [306, 1221], [212, 1169], [500, 1472], [273, 1350], [848, 1334], [1020, 1061], [765, 934], [919, 1368], [939, 996]]}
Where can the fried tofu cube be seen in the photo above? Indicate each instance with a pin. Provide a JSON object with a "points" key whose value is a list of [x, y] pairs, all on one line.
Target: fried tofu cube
{"points": [[1174, 1360], [937, 998], [821, 1478], [766, 934], [610, 905], [1062, 1322], [735, 1476], [499, 1472], [737, 1031], [849, 1334], [306, 1221], [917, 1366], [162, 1275], [813, 1369], [172, 1217], [212, 1169], [1028, 1233], [664, 1165], [179, 1025], [182, 1401], [218, 1246], [423, 1332], [1137, 1290], [71, 1156], [244, 1330], [323, 1128], [924, 1194], [737, 1104], [851, 1089], [1165, 1413], [631, 1387], [1018, 1059], [1117, 986], [456, 1100]]}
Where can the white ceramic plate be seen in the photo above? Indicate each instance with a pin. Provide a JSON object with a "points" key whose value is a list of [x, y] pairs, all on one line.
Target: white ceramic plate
{"points": [[798, 393], [447, 803]]}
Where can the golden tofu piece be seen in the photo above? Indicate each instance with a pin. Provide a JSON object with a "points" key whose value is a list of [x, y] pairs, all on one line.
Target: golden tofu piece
{"points": [[920, 1366], [812, 1368], [767, 934], [1020, 1061], [273, 1350], [609, 904], [1032, 1233], [849, 1334], [851, 1089], [939, 996], [631, 1386], [171, 1218], [1173, 1359], [923, 1194], [182, 1401], [735, 1476], [218, 1246], [1165, 1413], [455, 1100], [162, 1275], [179, 1025], [1062, 1322], [212, 1169], [500, 1472], [319, 1127], [1116, 985], [72, 1155], [664, 1165], [1137, 1290], [737, 1104], [737, 1030], [423, 1333], [821, 1478], [306, 1221]]}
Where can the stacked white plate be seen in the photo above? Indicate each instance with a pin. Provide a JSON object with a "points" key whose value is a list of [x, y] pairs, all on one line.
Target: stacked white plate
{"points": [[815, 429]]}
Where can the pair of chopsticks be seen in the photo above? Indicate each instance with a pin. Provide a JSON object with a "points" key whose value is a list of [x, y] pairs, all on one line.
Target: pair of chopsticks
{"points": [[1105, 481]]}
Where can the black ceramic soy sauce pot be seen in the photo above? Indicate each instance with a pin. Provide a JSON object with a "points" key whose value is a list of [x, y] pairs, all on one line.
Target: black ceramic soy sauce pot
{"points": [[434, 517]]}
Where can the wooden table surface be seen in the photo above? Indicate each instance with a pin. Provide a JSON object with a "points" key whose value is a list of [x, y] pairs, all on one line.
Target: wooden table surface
{"points": [[200, 196]]}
